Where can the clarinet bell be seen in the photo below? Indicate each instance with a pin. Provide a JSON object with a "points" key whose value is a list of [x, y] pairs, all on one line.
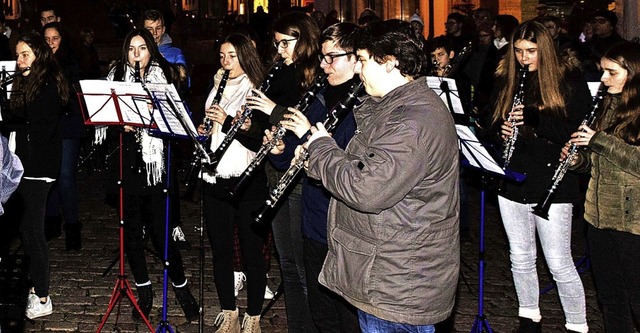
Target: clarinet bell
{"points": [[542, 208]]}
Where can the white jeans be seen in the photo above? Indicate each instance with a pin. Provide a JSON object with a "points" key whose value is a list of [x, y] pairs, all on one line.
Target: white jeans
{"points": [[521, 225]]}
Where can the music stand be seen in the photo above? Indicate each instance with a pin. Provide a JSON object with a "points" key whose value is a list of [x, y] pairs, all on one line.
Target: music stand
{"points": [[125, 104], [175, 122], [478, 158]]}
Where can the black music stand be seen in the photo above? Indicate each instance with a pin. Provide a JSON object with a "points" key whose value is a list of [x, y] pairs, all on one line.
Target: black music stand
{"points": [[478, 158], [176, 122], [124, 105]]}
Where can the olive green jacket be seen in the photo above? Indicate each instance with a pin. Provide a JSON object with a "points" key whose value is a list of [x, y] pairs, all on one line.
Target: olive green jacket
{"points": [[613, 197]]}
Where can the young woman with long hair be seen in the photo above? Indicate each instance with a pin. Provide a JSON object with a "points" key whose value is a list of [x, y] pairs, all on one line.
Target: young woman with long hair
{"points": [[611, 203], [144, 175], [221, 212], [37, 98], [296, 39], [554, 101]]}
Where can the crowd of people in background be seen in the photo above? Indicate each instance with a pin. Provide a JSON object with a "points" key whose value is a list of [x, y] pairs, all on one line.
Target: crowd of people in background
{"points": [[367, 214]]}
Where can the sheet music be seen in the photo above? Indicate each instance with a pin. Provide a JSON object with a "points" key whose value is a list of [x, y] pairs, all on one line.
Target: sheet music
{"points": [[132, 99], [167, 121], [475, 153], [434, 83]]}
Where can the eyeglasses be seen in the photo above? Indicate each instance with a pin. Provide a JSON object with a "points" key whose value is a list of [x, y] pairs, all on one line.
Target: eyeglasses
{"points": [[328, 58], [283, 42]]}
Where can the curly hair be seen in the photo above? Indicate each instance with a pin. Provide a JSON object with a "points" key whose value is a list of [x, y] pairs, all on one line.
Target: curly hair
{"points": [[393, 38]]}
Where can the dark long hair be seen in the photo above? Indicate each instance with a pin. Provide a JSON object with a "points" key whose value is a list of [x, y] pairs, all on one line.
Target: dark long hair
{"points": [[170, 72], [65, 53], [247, 57], [551, 72], [305, 54], [44, 70], [627, 122]]}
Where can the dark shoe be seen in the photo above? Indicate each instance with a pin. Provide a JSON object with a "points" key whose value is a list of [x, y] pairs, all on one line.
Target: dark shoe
{"points": [[187, 302], [528, 326], [52, 227], [72, 239], [145, 302]]}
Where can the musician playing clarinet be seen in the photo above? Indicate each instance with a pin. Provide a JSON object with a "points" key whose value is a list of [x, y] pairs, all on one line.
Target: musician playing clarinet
{"points": [[549, 105], [222, 213], [611, 203], [144, 171], [329, 312], [393, 219]]}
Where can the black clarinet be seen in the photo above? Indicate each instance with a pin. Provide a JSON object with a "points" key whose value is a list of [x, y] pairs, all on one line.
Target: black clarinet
{"points": [[542, 208], [217, 155], [277, 135], [208, 123], [139, 166], [331, 123]]}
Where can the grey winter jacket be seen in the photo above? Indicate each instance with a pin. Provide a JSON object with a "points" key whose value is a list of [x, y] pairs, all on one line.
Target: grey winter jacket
{"points": [[394, 249]]}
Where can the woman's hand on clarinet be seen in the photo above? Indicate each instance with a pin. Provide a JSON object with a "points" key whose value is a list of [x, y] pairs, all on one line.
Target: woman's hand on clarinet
{"points": [[296, 122], [246, 125], [216, 113], [259, 101], [278, 148], [583, 136], [516, 115], [201, 130]]}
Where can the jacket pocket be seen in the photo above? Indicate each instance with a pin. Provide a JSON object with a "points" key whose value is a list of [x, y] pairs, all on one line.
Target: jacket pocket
{"points": [[354, 261]]}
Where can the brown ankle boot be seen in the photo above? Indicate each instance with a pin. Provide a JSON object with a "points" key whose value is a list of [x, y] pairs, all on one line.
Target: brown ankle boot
{"points": [[227, 321], [251, 324]]}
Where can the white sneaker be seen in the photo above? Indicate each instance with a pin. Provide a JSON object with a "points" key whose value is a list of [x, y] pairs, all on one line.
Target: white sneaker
{"points": [[268, 294], [37, 309], [239, 278], [178, 235]]}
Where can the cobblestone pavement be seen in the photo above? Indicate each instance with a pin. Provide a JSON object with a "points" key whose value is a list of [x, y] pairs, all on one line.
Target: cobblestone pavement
{"points": [[81, 293]]}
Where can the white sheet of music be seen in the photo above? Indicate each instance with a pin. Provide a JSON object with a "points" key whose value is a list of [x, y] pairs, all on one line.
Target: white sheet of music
{"points": [[9, 66], [101, 108], [593, 87], [435, 82], [475, 153], [169, 100]]}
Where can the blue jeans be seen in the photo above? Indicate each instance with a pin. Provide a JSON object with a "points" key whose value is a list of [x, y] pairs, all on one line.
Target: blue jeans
{"points": [[372, 324], [521, 225], [64, 193], [287, 235]]}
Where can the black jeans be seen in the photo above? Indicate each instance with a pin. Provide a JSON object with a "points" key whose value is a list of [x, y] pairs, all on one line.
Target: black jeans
{"points": [[615, 258], [31, 197], [330, 312], [220, 214], [147, 212]]}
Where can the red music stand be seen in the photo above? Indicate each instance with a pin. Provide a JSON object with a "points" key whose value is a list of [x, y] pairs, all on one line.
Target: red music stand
{"points": [[106, 109]]}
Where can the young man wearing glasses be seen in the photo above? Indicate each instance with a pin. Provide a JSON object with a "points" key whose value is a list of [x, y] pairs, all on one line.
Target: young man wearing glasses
{"points": [[329, 312], [393, 221]]}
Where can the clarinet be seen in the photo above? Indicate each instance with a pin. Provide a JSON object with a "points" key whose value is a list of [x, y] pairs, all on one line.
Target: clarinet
{"points": [[277, 135], [139, 166], [510, 143], [217, 155], [542, 208], [332, 121], [208, 123]]}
